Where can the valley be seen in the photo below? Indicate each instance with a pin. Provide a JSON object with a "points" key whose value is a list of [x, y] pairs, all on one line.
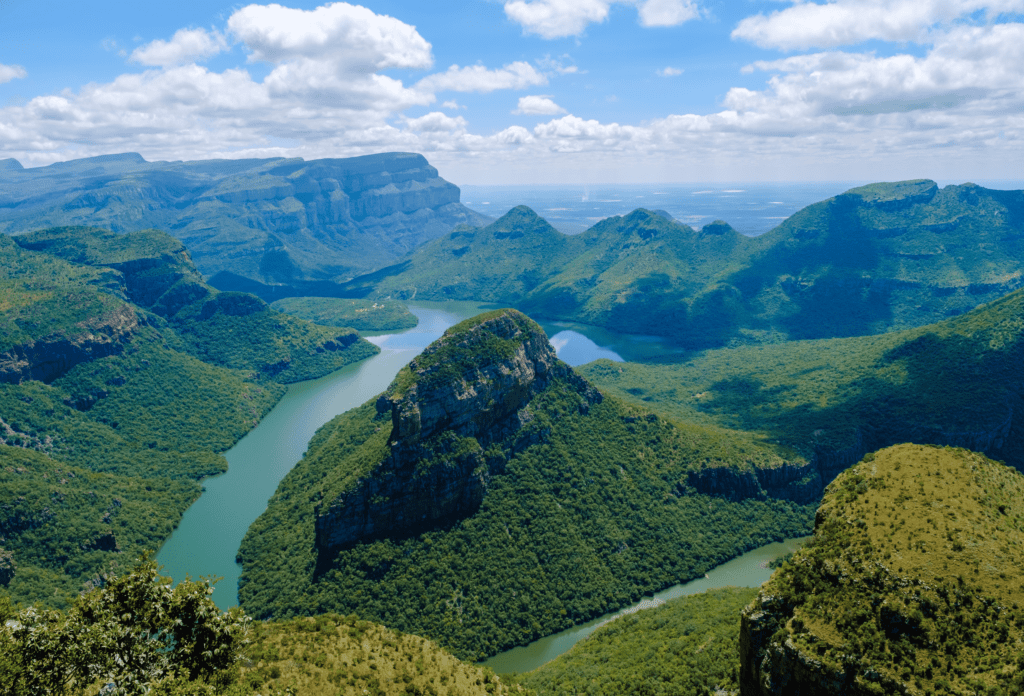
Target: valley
{"points": [[416, 463]]}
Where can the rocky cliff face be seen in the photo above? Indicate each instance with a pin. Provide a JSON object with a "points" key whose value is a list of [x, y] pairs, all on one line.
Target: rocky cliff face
{"points": [[47, 358], [455, 412], [275, 220]]}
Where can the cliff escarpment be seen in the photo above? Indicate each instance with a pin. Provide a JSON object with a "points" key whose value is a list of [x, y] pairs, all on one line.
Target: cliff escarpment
{"points": [[455, 413], [908, 586], [277, 221]]}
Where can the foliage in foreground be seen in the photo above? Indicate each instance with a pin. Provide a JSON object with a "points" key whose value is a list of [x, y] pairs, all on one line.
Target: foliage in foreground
{"points": [[688, 646], [911, 583], [134, 631], [361, 315]]}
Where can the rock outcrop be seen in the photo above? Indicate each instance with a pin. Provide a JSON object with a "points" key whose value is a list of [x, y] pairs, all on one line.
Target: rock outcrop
{"points": [[47, 358], [456, 411]]}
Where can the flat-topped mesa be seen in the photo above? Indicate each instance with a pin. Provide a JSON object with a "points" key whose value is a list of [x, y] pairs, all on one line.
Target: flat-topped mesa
{"points": [[467, 392]]}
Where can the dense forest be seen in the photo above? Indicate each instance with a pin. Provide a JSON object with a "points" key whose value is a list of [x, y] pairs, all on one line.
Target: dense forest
{"points": [[122, 378]]}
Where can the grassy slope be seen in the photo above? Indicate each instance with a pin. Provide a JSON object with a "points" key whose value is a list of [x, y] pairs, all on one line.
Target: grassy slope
{"points": [[688, 646], [877, 258], [937, 383], [914, 571], [361, 315], [583, 522], [339, 655]]}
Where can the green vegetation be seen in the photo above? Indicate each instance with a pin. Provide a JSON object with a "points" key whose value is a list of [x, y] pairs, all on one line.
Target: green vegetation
{"points": [[874, 259], [133, 631], [230, 329], [956, 382], [911, 583], [361, 315], [344, 655], [110, 408], [688, 646], [587, 507]]}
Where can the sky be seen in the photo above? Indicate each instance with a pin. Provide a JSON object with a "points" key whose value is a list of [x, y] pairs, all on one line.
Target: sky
{"points": [[529, 91]]}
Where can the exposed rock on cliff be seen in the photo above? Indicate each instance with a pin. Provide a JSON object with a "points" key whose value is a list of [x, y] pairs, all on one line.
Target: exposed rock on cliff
{"points": [[905, 589], [455, 412], [273, 220]]}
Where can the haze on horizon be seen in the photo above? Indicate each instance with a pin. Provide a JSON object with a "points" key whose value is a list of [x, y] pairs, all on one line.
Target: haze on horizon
{"points": [[530, 91]]}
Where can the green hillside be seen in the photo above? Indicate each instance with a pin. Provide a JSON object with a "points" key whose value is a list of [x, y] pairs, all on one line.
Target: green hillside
{"points": [[104, 395], [550, 505], [911, 584], [957, 382], [877, 258], [689, 645], [361, 315]]}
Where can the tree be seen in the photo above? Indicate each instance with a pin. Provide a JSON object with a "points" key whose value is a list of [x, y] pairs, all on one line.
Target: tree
{"points": [[134, 631]]}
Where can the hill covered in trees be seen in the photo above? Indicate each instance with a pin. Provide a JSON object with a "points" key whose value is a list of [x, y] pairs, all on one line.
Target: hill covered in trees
{"points": [[910, 584], [491, 496], [876, 258], [122, 378]]}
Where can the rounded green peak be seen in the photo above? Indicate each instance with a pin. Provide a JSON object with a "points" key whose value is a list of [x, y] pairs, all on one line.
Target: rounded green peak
{"points": [[519, 222], [490, 337]]}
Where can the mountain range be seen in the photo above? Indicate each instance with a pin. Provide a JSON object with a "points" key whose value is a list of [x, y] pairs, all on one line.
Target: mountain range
{"points": [[277, 220], [876, 258]]}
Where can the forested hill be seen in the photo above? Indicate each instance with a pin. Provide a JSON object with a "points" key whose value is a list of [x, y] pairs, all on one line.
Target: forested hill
{"points": [[122, 378], [274, 220], [491, 496], [957, 382], [876, 258], [910, 586]]}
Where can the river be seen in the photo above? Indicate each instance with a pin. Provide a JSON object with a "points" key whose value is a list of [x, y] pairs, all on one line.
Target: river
{"points": [[209, 534]]}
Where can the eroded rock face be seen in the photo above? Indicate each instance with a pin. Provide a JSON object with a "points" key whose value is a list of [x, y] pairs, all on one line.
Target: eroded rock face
{"points": [[47, 358], [437, 468]]}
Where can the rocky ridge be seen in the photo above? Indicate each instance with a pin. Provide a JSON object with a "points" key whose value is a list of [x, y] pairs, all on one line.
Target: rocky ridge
{"points": [[277, 221], [455, 412]]}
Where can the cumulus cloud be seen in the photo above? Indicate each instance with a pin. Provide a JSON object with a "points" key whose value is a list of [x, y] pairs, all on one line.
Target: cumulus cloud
{"points": [[846, 22], [477, 78], [436, 122], [554, 19], [669, 71], [667, 13], [11, 72], [538, 105], [967, 64], [349, 38], [186, 46]]}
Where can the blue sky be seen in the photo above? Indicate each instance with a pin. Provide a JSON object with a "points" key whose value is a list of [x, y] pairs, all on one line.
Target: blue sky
{"points": [[529, 91]]}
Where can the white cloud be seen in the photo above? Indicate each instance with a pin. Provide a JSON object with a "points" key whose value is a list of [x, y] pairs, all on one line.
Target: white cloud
{"points": [[11, 72], [538, 105], [477, 78], [436, 122], [846, 22], [186, 46], [554, 19], [350, 38], [667, 13], [669, 71], [452, 104]]}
